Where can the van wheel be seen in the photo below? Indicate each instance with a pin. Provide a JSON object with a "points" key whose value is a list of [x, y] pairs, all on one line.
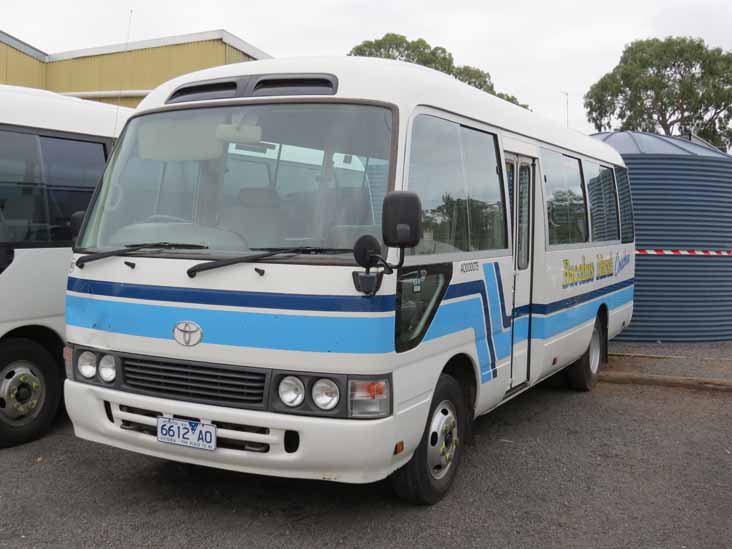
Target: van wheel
{"points": [[429, 474], [30, 391], [582, 375]]}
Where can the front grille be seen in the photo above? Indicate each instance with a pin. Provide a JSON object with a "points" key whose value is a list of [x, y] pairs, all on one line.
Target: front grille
{"points": [[206, 383]]}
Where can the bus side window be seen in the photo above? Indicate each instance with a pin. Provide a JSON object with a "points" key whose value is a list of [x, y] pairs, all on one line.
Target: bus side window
{"points": [[455, 171], [565, 198], [603, 202], [627, 227]]}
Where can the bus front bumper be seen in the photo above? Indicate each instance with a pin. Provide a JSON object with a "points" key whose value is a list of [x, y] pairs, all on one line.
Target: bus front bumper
{"points": [[342, 450]]}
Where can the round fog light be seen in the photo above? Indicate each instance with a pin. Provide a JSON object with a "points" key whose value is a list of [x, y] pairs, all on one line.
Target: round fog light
{"points": [[326, 394], [108, 368], [87, 364], [291, 391]]}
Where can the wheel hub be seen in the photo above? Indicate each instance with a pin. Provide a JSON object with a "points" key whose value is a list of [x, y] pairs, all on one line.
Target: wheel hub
{"points": [[443, 439], [595, 351], [21, 391]]}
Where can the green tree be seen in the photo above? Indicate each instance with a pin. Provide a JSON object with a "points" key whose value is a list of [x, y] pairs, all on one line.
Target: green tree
{"points": [[397, 46], [674, 86]]}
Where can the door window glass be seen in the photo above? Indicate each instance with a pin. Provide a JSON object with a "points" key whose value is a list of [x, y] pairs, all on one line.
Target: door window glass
{"points": [[523, 216]]}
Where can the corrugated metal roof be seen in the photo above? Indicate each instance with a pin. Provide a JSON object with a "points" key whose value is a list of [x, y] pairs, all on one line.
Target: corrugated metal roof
{"points": [[650, 143]]}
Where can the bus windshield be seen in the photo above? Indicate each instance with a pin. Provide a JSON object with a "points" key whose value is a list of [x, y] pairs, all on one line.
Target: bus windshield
{"points": [[239, 179]]}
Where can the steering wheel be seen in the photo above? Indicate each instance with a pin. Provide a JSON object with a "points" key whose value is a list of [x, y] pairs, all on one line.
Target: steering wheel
{"points": [[161, 218]]}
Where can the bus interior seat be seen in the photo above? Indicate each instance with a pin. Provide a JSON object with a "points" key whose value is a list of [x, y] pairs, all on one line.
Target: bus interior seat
{"points": [[256, 217], [345, 236]]}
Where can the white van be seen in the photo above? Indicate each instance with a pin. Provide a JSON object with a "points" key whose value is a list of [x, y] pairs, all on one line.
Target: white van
{"points": [[52, 154], [327, 268]]}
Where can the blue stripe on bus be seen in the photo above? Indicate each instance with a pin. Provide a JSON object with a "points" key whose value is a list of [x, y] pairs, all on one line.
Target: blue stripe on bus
{"points": [[324, 334], [550, 308], [545, 327], [260, 300]]}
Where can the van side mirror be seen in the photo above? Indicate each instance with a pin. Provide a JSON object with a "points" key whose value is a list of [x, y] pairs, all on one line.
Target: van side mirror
{"points": [[401, 219], [75, 223]]}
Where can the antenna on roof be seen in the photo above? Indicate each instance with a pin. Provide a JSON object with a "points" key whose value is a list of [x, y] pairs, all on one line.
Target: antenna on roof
{"points": [[119, 92]]}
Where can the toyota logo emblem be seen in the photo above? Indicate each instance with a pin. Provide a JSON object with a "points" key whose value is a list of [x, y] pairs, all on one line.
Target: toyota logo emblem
{"points": [[188, 333]]}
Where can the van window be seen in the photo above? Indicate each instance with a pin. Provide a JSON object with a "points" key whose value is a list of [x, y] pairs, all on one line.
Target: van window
{"points": [[454, 170], [69, 162], [627, 226], [43, 181], [565, 198], [603, 202], [20, 158]]}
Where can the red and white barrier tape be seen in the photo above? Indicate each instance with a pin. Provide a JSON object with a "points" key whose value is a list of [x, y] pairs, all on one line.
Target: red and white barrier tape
{"points": [[684, 252]]}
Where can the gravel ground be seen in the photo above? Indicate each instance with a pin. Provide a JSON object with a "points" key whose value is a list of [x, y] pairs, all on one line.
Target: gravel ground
{"points": [[623, 466]]}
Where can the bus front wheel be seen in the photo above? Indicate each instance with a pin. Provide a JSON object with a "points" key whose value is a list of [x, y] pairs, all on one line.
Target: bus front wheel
{"points": [[427, 477], [30, 391]]}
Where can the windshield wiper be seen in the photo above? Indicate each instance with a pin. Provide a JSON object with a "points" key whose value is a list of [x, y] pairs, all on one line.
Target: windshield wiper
{"points": [[136, 247], [268, 252]]}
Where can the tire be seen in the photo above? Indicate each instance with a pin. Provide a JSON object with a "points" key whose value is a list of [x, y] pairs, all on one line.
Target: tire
{"points": [[582, 375], [31, 379], [419, 481]]}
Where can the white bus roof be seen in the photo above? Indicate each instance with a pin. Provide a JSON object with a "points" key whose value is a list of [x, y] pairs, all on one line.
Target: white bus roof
{"points": [[46, 110], [406, 85]]}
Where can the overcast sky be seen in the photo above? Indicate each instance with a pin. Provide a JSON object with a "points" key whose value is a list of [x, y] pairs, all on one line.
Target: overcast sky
{"points": [[534, 50]]}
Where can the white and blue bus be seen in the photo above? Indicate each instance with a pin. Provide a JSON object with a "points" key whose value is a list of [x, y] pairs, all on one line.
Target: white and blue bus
{"points": [[327, 268], [52, 154]]}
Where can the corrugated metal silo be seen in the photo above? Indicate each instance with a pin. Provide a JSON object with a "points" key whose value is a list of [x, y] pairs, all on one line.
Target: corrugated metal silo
{"points": [[682, 197]]}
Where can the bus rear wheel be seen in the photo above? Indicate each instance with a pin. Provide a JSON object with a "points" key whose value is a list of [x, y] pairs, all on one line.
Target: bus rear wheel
{"points": [[427, 477], [30, 391], [582, 375]]}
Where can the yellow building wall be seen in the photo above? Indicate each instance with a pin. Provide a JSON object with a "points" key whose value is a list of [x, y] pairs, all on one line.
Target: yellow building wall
{"points": [[137, 69], [19, 69], [132, 70]]}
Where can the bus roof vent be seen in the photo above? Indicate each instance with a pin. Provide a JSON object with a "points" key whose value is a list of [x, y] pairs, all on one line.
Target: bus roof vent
{"points": [[295, 84], [203, 92], [259, 85]]}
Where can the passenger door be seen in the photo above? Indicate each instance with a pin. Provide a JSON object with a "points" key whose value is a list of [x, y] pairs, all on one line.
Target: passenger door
{"points": [[520, 172]]}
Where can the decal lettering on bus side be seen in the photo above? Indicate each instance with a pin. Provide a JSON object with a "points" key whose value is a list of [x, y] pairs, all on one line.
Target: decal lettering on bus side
{"points": [[580, 273]]}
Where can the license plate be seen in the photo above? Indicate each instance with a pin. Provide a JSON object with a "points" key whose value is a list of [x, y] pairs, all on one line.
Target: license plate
{"points": [[192, 434]]}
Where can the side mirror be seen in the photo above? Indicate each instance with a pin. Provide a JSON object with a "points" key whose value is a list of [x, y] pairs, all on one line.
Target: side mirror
{"points": [[75, 222], [366, 251], [401, 227], [401, 219]]}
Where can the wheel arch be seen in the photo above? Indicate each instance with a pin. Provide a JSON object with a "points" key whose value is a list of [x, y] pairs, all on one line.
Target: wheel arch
{"points": [[466, 373], [46, 337], [603, 315]]}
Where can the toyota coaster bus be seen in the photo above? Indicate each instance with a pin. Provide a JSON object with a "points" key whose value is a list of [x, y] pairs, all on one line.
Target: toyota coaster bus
{"points": [[52, 154], [327, 268]]}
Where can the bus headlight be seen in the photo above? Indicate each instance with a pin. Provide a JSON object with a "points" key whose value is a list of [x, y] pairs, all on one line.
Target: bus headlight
{"points": [[87, 364], [326, 394], [291, 391], [108, 368], [369, 398]]}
